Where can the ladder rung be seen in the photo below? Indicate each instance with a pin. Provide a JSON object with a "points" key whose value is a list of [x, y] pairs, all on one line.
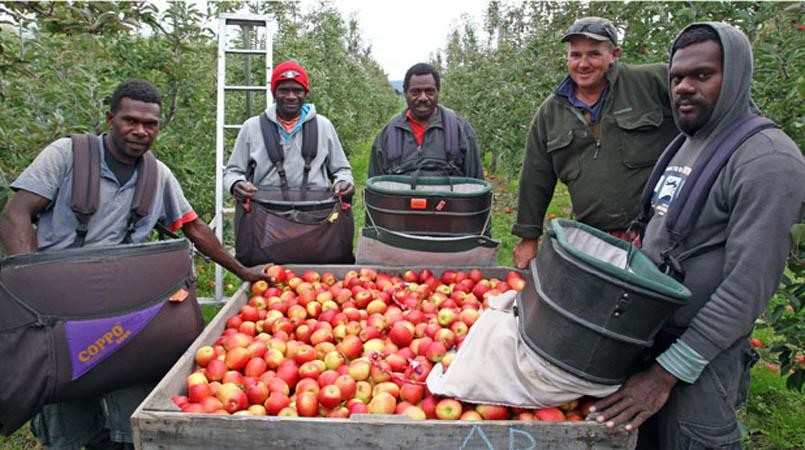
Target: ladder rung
{"points": [[232, 127], [245, 88], [256, 22], [228, 210], [244, 51]]}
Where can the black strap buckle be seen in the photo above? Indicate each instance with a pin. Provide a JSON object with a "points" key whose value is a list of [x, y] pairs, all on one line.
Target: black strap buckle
{"points": [[672, 267]]}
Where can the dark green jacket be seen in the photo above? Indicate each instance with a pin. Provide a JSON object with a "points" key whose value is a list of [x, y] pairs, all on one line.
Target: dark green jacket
{"points": [[432, 148], [605, 176]]}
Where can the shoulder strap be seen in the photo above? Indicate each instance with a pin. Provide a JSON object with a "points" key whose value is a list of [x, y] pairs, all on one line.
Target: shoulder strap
{"points": [[450, 124], [394, 139], [144, 191], [310, 146], [271, 140], [708, 165], [86, 182], [639, 224], [693, 194]]}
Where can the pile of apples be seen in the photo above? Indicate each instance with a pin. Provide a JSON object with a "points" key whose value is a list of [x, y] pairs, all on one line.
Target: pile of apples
{"points": [[312, 345]]}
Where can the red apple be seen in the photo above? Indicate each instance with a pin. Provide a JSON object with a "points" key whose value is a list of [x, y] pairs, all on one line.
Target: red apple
{"points": [[257, 393], [198, 392], [237, 358], [550, 415], [382, 403], [412, 393], [307, 404], [401, 335], [493, 412], [347, 385], [329, 396]]}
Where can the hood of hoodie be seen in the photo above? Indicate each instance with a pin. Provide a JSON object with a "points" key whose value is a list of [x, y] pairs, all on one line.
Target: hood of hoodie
{"points": [[734, 98]]}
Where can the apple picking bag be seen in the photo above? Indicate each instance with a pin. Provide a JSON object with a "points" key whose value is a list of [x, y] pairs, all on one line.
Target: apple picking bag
{"points": [[84, 321], [588, 314], [444, 220]]}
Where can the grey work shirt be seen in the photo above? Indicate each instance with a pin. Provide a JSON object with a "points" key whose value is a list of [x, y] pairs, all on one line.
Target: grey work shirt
{"points": [[51, 176]]}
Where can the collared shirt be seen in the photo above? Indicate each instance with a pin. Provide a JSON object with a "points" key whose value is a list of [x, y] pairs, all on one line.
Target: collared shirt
{"points": [[416, 126], [51, 176], [567, 89]]}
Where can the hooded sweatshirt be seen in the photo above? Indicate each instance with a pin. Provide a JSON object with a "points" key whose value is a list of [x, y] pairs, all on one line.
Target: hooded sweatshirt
{"points": [[329, 164], [744, 226]]}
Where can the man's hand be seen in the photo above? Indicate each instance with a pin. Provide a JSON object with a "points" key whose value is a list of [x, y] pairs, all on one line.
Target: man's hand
{"points": [[243, 190], [525, 251], [252, 274], [639, 398], [343, 189]]}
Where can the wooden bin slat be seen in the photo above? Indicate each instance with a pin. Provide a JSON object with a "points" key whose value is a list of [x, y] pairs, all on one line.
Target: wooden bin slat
{"points": [[159, 424]]}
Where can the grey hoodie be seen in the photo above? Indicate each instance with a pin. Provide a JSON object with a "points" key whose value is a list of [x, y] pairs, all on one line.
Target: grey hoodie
{"points": [[745, 222]]}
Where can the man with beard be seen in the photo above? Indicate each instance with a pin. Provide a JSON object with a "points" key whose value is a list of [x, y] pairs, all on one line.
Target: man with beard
{"points": [[599, 133], [426, 138], [731, 260], [290, 87], [43, 196]]}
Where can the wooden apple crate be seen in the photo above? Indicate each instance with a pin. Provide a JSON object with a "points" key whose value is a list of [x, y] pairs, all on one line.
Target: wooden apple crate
{"points": [[159, 424]]}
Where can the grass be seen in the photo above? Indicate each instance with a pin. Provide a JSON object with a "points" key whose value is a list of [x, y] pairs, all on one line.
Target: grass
{"points": [[774, 418]]}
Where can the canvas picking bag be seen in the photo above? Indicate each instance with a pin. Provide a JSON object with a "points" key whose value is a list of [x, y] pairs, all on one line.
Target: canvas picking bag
{"points": [[84, 321], [293, 226]]}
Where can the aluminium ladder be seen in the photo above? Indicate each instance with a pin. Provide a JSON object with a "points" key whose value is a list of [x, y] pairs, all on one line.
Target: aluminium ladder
{"points": [[246, 22]]}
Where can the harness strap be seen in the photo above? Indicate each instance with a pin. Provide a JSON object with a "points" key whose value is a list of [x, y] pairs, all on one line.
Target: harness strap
{"points": [[86, 183], [690, 200], [144, 192], [394, 145]]}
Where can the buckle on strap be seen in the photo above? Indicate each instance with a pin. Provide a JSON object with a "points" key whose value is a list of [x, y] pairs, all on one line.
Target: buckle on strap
{"points": [[671, 266]]}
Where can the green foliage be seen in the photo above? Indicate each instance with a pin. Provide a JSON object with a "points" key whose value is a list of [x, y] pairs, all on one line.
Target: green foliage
{"points": [[61, 61], [773, 415], [786, 316], [498, 79]]}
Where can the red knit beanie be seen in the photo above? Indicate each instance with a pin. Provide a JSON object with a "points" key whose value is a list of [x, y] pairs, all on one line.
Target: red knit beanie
{"points": [[289, 70]]}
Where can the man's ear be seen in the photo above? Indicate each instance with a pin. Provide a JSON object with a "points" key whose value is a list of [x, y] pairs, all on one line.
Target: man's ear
{"points": [[109, 116], [616, 52]]}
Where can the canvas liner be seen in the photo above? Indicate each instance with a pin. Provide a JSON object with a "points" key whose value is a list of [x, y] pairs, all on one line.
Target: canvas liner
{"points": [[294, 226], [56, 305], [493, 351]]}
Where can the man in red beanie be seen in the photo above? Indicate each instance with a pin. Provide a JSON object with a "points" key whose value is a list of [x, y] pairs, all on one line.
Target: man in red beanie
{"points": [[291, 153], [290, 87]]}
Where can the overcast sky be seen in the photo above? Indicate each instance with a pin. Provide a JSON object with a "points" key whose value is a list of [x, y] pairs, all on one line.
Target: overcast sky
{"points": [[405, 32]]}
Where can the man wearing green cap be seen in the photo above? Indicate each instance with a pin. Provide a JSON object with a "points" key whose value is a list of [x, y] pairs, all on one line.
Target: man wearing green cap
{"points": [[600, 133]]}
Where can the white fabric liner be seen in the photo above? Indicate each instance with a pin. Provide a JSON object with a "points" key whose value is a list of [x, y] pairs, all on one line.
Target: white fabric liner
{"points": [[495, 366], [462, 188], [598, 248]]}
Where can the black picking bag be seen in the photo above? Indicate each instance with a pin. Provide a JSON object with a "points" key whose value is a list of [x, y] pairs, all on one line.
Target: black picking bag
{"points": [[294, 226], [83, 321]]}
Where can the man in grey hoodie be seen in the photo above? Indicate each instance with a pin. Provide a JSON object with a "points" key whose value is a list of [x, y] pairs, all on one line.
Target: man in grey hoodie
{"points": [[732, 259]]}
